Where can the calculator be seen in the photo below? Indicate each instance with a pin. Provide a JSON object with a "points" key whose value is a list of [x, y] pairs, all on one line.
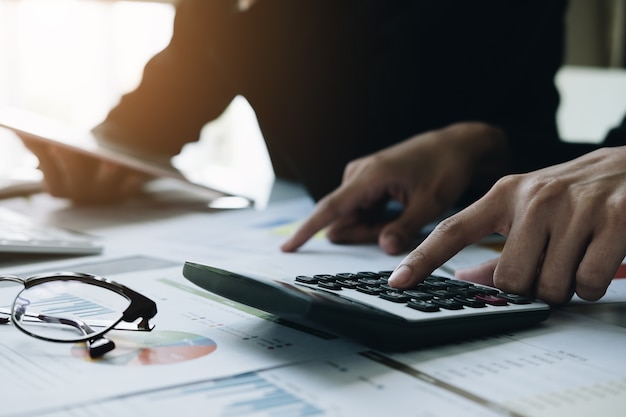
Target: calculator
{"points": [[362, 306]]}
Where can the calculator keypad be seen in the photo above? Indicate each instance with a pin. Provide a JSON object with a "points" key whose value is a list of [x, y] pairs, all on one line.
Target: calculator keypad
{"points": [[432, 295]]}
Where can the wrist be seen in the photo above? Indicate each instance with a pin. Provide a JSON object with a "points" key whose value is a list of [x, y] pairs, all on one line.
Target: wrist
{"points": [[486, 148]]}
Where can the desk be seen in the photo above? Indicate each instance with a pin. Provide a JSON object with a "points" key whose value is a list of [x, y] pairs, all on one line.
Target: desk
{"points": [[212, 357]]}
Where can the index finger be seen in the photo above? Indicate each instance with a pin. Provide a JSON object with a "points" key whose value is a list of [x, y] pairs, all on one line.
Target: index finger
{"points": [[446, 240], [330, 208], [326, 210]]}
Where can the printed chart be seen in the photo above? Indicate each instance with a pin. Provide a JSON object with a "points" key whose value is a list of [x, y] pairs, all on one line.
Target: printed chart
{"points": [[151, 348]]}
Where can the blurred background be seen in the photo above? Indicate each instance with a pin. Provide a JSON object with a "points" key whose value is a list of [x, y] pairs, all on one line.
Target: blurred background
{"points": [[593, 82], [72, 59]]}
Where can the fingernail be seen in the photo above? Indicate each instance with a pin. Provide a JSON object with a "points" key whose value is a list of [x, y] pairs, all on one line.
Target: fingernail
{"points": [[400, 276]]}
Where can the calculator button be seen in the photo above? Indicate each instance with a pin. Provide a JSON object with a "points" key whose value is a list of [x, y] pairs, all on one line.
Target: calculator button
{"points": [[515, 298], [426, 306], [461, 292], [369, 289], [437, 278], [468, 292], [372, 281], [387, 287], [492, 299], [347, 275], [348, 283], [485, 290], [439, 285], [472, 302], [395, 296], [368, 274], [447, 303], [307, 279], [422, 286], [441, 293], [329, 285], [462, 284], [418, 295], [325, 277]]}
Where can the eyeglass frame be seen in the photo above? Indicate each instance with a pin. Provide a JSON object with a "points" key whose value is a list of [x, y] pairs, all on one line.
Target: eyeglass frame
{"points": [[140, 306]]}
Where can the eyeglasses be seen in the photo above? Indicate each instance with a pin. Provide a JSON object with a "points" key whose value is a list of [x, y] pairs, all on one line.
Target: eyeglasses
{"points": [[73, 307]]}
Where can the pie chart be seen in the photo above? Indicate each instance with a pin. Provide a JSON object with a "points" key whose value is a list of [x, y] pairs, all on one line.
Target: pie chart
{"points": [[150, 348]]}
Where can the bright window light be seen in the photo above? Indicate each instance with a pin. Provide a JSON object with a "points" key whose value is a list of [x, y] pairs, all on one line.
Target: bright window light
{"points": [[72, 59]]}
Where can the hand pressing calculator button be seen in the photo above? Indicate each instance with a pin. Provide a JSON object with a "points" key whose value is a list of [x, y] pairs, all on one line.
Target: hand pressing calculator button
{"points": [[433, 294], [362, 306]]}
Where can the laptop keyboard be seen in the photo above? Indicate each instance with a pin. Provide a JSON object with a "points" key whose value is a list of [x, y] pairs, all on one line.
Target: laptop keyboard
{"points": [[21, 234]]}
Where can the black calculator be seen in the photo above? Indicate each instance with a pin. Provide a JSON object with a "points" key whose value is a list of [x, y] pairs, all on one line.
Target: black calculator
{"points": [[362, 306]]}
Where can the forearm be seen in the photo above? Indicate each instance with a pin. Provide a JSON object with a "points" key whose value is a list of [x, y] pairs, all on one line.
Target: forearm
{"points": [[486, 149], [111, 136], [182, 88]]}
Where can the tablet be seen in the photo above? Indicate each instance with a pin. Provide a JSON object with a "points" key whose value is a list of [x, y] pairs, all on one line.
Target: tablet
{"points": [[39, 128]]}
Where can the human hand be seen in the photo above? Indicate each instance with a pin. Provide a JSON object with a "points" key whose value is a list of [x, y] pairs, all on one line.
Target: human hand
{"points": [[564, 224], [83, 179], [426, 174]]}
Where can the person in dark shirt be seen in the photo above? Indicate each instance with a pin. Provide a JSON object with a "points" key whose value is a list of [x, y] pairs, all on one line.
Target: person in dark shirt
{"points": [[425, 103], [332, 81]]}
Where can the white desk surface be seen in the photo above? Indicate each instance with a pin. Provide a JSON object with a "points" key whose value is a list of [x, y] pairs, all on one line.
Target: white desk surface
{"points": [[247, 365]]}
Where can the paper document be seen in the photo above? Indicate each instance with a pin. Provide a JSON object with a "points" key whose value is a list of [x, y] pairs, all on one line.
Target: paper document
{"points": [[340, 386], [570, 366], [197, 336]]}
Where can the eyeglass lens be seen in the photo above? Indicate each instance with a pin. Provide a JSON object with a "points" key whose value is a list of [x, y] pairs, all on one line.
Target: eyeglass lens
{"points": [[66, 310]]}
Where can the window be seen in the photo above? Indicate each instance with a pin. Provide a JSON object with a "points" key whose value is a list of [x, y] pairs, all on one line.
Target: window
{"points": [[72, 59]]}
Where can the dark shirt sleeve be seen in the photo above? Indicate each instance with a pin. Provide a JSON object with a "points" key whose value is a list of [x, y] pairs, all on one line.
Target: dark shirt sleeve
{"points": [[334, 80], [566, 151], [528, 99], [617, 135], [181, 89], [488, 61]]}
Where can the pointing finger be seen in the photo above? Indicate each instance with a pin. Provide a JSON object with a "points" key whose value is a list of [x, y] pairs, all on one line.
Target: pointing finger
{"points": [[448, 238]]}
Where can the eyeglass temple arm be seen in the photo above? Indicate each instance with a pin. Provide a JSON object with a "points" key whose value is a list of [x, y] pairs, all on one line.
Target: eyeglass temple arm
{"points": [[97, 346], [140, 307]]}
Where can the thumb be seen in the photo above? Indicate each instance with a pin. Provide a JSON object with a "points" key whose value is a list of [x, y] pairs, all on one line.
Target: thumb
{"points": [[400, 235], [479, 274]]}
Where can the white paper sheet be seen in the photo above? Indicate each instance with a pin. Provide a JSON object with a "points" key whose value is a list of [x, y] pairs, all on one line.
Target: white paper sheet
{"points": [[197, 336], [570, 366], [343, 386]]}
